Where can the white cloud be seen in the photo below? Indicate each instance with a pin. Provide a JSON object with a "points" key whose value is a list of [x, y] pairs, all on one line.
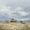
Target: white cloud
{"points": [[20, 11], [23, 13], [5, 10], [18, 6]]}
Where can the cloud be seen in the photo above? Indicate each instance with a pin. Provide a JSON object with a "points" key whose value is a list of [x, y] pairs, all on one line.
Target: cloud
{"points": [[23, 13], [4, 10], [7, 12], [18, 8], [15, 8], [20, 11]]}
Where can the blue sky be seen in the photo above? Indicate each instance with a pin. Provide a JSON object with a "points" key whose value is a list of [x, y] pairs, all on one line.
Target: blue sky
{"points": [[18, 9]]}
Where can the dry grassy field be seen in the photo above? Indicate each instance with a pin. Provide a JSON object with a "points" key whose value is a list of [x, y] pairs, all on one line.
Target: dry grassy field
{"points": [[14, 26]]}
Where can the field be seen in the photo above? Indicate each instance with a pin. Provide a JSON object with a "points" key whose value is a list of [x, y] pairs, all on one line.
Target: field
{"points": [[14, 26]]}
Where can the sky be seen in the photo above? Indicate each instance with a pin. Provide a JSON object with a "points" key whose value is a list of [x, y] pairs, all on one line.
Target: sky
{"points": [[17, 9]]}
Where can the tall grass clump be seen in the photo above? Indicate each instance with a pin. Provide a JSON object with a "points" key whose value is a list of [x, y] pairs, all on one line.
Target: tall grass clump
{"points": [[26, 27], [1, 27], [14, 27]]}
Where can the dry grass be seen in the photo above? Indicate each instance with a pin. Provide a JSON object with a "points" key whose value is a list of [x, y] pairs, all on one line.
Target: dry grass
{"points": [[14, 26]]}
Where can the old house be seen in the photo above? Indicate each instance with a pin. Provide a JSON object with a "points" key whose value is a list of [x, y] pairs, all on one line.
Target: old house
{"points": [[13, 20]]}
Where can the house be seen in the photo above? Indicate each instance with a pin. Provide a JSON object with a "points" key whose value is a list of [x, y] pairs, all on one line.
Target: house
{"points": [[13, 20]]}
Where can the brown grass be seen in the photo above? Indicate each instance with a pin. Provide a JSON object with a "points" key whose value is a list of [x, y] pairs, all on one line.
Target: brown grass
{"points": [[14, 26]]}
